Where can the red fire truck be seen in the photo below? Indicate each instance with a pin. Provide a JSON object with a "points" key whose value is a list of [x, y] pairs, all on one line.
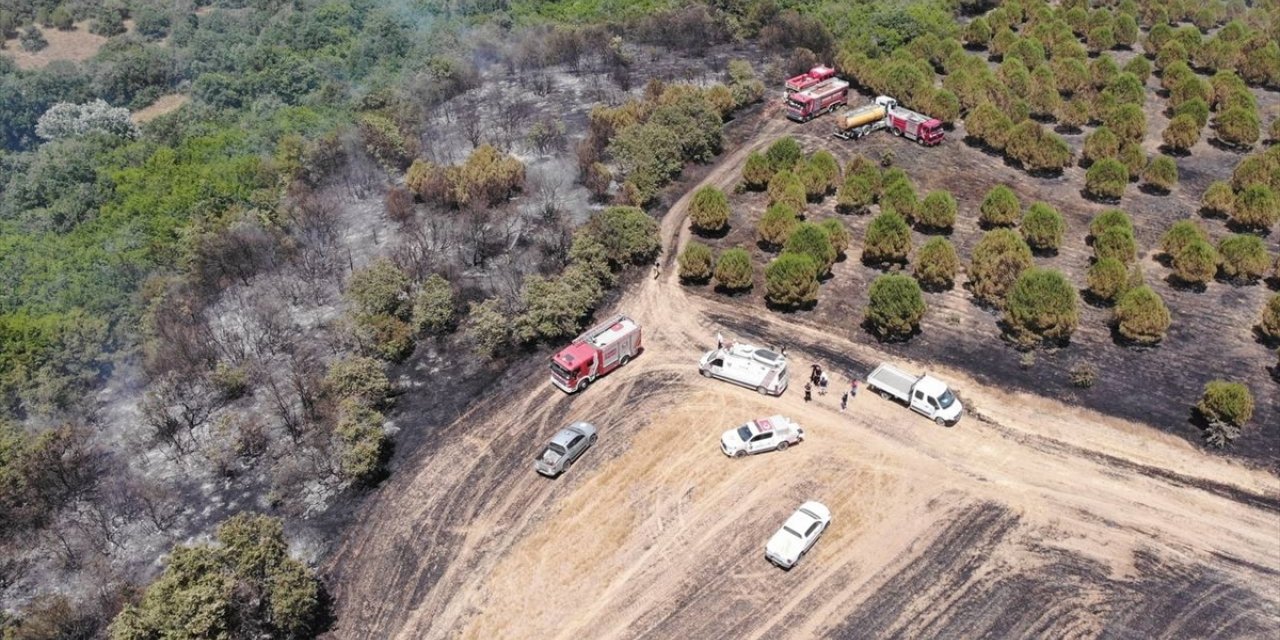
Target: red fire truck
{"points": [[824, 97], [597, 352], [809, 78]]}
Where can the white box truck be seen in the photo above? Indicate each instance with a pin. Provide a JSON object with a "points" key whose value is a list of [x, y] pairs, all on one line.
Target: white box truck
{"points": [[924, 394], [746, 365]]}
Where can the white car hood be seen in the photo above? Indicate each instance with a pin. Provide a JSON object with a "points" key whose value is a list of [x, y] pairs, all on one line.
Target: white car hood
{"points": [[785, 546], [731, 441]]}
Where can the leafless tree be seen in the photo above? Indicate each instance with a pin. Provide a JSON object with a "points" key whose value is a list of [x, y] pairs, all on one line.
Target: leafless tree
{"points": [[511, 115], [176, 407], [467, 120]]}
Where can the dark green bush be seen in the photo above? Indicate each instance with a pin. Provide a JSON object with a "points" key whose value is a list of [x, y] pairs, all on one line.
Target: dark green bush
{"points": [[784, 154], [791, 280], [811, 239], [938, 211], [1043, 227], [1041, 305], [900, 197], [1102, 143], [733, 269], [1000, 207], [998, 259], [888, 239], [776, 225], [1141, 316], [1256, 208], [1106, 178], [895, 306], [1107, 279], [1243, 257], [696, 262], [709, 210], [757, 172], [1161, 173], [837, 233], [1115, 242], [936, 264], [1237, 127], [629, 235], [1197, 264], [1180, 235], [786, 188]]}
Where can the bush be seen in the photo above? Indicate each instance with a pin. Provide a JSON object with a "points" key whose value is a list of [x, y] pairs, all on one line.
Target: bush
{"points": [[1257, 169], [1243, 257], [434, 307], [998, 259], [1197, 264], [32, 39], [358, 379], [1106, 178], [989, 125], [1140, 67], [1270, 324], [1161, 173], [61, 19], [936, 264], [1000, 207], [1182, 133], [696, 262], [784, 154], [1256, 207], [776, 225], [1116, 242], [386, 336], [977, 33], [1037, 149], [837, 233], [786, 188], [489, 327], [1229, 402], [888, 239], [1043, 227], [857, 193], [1107, 279], [757, 172], [628, 234], [1180, 235], [895, 306], [1102, 143], [1237, 127], [1196, 108], [900, 197], [1141, 316], [1127, 121], [1219, 199], [363, 444], [1041, 306], [733, 269], [825, 171], [379, 288], [810, 239], [709, 211], [937, 211], [791, 280], [1133, 158]]}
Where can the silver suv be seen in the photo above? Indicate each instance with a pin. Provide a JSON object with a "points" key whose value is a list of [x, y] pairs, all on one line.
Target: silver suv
{"points": [[565, 448]]}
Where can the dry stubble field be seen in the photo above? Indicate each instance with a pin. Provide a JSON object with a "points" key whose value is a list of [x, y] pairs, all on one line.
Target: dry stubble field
{"points": [[1031, 517]]}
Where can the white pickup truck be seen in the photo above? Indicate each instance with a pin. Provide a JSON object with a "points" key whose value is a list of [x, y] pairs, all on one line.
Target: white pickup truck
{"points": [[746, 365], [924, 394]]}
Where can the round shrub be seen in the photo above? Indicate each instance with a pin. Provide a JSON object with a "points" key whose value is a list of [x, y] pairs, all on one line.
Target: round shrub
{"points": [[1219, 199], [709, 211], [837, 233], [1274, 131], [810, 239], [1161, 173], [824, 165], [1037, 149], [1106, 178], [1000, 208], [998, 259], [1041, 306], [900, 197], [1197, 264], [1116, 242], [1180, 235], [733, 269], [1256, 207], [1109, 219], [936, 264], [1270, 325], [757, 173], [895, 306], [695, 262], [786, 188], [1107, 279], [938, 211], [434, 306], [1197, 109], [988, 124], [1043, 227], [888, 239], [776, 225], [1243, 257], [629, 235], [1237, 127], [1141, 316], [1256, 169], [1140, 67], [791, 280], [784, 154], [1127, 121], [856, 193], [1102, 143], [1229, 402]]}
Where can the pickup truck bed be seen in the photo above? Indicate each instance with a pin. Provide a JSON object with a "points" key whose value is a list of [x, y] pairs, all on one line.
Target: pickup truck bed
{"points": [[891, 380]]}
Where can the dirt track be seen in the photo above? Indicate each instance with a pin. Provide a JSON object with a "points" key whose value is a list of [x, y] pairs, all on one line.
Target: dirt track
{"points": [[1028, 518]]}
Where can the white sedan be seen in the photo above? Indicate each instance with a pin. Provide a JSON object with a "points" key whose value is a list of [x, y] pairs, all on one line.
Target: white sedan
{"points": [[797, 534], [763, 434]]}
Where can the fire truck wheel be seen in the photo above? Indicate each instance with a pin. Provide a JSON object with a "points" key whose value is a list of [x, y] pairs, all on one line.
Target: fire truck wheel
{"points": [[625, 360], [897, 132], [582, 384]]}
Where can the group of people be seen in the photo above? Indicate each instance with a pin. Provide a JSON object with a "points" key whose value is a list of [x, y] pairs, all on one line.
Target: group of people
{"points": [[818, 378]]}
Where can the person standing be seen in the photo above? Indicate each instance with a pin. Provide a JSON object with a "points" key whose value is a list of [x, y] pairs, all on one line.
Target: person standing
{"points": [[822, 384], [853, 389], [844, 401], [808, 388]]}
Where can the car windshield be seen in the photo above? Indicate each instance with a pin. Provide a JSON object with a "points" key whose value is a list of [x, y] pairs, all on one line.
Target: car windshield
{"points": [[947, 399], [792, 532], [795, 104], [744, 434], [560, 371]]}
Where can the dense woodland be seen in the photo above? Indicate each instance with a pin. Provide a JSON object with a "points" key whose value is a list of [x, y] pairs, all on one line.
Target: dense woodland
{"points": [[208, 313]]}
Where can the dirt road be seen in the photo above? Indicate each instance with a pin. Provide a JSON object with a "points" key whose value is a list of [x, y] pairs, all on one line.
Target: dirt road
{"points": [[1029, 518]]}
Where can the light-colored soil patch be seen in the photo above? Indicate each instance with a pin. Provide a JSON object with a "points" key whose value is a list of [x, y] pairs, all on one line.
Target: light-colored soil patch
{"points": [[76, 45], [167, 103]]}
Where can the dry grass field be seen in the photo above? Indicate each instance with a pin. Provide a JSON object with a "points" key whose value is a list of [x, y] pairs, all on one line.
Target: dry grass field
{"points": [[76, 45]]}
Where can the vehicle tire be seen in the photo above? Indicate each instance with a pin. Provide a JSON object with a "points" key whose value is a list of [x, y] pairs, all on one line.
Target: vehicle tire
{"points": [[782, 446], [884, 394], [762, 391], [625, 360], [706, 373], [582, 384], [740, 453], [592, 439]]}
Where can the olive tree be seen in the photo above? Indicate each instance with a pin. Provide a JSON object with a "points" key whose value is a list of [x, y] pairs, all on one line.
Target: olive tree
{"points": [[1141, 316], [895, 306]]}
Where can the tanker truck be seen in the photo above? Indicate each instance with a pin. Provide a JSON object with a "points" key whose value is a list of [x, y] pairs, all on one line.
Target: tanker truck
{"points": [[885, 113]]}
